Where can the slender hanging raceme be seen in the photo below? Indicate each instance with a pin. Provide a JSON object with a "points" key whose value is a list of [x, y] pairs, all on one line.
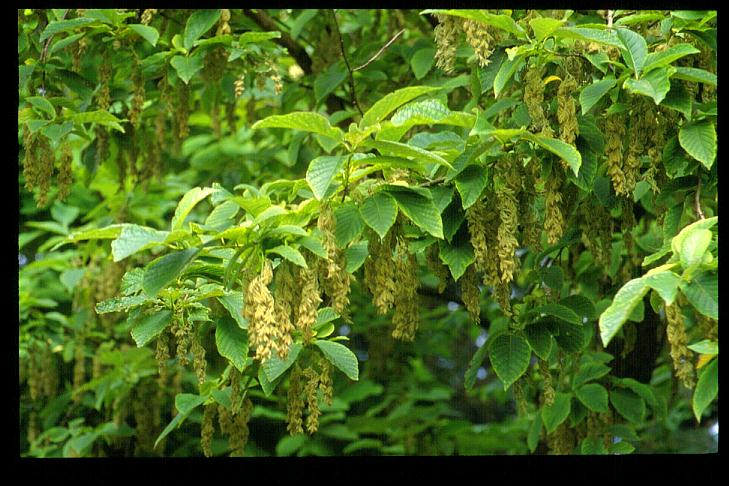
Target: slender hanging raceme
{"points": [[295, 402], [239, 430], [182, 330], [437, 267], [680, 354], [312, 401], [138, 97], [446, 40], [207, 429], [470, 293], [336, 280], [567, 110], [325, 380], [199, 364], [309, 303], [259, 312], [379, 272], [547, 386], [553, 220], [507, 184], [285, 297], [481, 38], [534, 98], [406, 316], [614, 131], [65, 177]]}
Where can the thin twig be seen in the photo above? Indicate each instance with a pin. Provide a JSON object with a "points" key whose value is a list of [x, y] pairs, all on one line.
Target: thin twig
{"points": [[380, 51], [610, 19], [346, 62], [697, 201]]}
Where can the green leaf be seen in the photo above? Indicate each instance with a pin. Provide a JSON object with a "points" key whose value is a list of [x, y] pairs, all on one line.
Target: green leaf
{"points": [[198, 24], [321, 171], [563, 150], [591, 35], [544, 26], [134, 238], [500, 21], [593, 396], [557, 310], [552, 277], [150, 327], [705, 346], [474, 364], [666, 57], [233, 303], [707, 388], [391, 102], [420, 210], [328, 81], [257, 37], [621, 447], [535, 430], [148, 33], [457, 255], [590, 95], [628, 404], [703, 293], [655, 85], [677, 241], [362, 444], [470, 183], [43, 105], [289, 253], [694, 247], [100, 117], [422, 62], [593, 445], [695, 75], [699, 141], [539, 339], [58, 26], [314, 245], [509, 355], [665, 283], [188, 201], [570, 336], [634, 49], [506, 71], [398, 149], [341, 357], [232, 342], [163, 270], [680, 100], [185, 404], [304, 18], [558, 412], [349, 224], [626, 299], [302, 120], [426, 112], [379, 211], [187, 66], [588, 372], [356, 254], [118, 304], [275, 367]]}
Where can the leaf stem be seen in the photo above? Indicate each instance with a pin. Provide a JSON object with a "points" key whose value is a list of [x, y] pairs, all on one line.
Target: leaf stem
{"points": [[346, 62]]}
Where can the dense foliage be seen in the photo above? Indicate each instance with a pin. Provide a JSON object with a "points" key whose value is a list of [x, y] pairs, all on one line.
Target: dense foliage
{"points": [[319, 232]]}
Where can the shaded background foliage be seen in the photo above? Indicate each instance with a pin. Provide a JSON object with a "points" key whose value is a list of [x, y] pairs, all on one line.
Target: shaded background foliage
{"points": [[122, 112]]}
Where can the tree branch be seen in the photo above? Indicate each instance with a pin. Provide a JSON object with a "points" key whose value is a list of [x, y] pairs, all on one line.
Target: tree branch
{"points": [[267, 23], [346, 62], [380, 51], [697, 201]]}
